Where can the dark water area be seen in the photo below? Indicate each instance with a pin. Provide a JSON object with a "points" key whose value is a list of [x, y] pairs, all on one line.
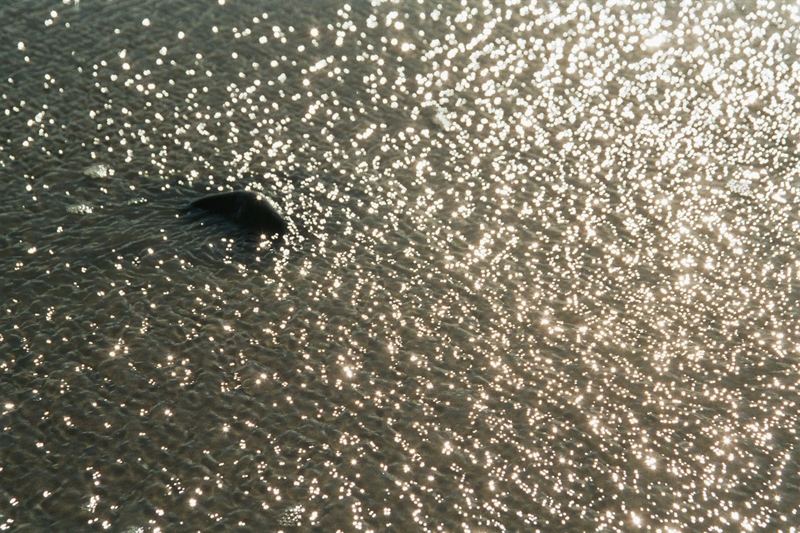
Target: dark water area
{"points": [[543, 269]]}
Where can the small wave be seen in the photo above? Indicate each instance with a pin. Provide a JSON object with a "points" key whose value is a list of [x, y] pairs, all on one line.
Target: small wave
{"points": [[741, 186], [80, 209], [440, 118], [292, 516], [98, 170]]}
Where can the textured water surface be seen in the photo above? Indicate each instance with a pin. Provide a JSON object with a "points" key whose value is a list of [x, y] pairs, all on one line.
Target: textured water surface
{"points": [[543, 274]]}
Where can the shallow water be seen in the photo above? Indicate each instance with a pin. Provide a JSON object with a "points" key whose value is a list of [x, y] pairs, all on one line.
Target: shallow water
{"points": [[543, 274]]}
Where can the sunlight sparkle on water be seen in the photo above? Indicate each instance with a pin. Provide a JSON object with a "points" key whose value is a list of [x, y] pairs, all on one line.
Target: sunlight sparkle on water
{"points": [[546, 275]]}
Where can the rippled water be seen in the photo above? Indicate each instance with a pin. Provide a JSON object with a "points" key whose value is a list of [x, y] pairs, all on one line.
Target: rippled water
{"points": [[544, 272]]}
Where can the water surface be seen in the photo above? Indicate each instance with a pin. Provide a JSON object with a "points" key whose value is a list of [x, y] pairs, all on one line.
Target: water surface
{"points": [[544, 273]]}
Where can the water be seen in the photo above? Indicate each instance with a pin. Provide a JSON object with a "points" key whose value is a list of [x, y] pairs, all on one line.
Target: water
{"points": [[544, 273]]}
